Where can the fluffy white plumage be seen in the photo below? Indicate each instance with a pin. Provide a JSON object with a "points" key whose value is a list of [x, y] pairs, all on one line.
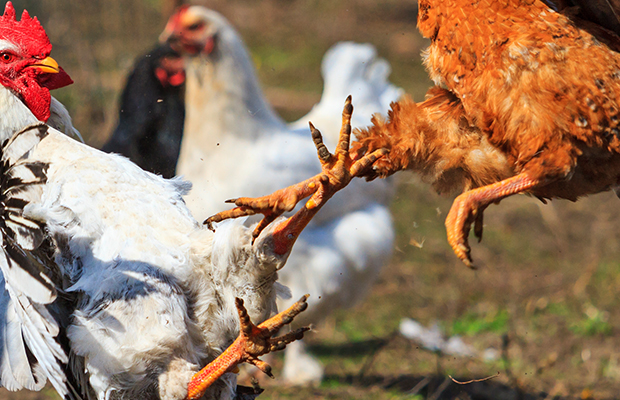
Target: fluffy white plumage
{"points": [[234, 143], [117, 286], [350, 68]]}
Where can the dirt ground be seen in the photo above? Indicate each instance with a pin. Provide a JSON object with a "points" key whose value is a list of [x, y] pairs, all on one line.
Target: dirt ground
{"points": [[541, 311]]}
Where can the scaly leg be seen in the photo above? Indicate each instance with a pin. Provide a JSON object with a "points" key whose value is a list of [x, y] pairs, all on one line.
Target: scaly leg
{"points": [[338, 170], [253, 341], [469, 206]]}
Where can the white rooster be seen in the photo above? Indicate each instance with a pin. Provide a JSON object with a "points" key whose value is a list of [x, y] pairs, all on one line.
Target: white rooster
{"points": [[234, 142], [111, 287]]}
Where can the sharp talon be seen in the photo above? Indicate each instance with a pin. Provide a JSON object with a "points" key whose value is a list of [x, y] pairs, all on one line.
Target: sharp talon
{"points": [[209, 224], [470, 264], [231, 201], [348, 106], [263, 366]]}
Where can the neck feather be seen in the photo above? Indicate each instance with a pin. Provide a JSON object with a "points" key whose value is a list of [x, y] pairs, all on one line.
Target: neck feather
{"points": [[14, 115], [223, 94]]}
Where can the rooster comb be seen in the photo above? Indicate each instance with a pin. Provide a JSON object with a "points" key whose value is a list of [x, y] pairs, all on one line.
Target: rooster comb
{"points": [[27, 32], [173, 22]]}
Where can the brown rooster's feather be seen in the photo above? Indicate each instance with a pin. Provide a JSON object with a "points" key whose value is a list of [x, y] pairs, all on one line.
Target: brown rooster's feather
{"points": [[601, 18], [605, 13], [527, 100]]}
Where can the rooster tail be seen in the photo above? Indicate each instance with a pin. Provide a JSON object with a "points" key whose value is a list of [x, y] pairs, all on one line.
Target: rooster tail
{"points": [[30, 348]]}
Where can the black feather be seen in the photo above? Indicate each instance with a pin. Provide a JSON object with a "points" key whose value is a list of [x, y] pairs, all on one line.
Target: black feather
{"points": [[151, 117]]}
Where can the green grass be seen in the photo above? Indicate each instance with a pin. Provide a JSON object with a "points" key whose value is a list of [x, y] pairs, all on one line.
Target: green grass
{"points": [[594, 322], [472, 324]]}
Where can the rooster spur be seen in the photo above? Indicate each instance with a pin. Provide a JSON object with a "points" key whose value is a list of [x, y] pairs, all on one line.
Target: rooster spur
{"points": [[337, 171]]}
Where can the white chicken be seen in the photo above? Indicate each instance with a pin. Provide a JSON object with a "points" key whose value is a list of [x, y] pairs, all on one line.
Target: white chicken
{"points": [[234, 142], [350, 68], [111, 287]]}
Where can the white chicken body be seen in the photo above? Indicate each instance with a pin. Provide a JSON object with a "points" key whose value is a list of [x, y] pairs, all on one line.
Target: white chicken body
{"points": [[154, 291], [235, 144]]}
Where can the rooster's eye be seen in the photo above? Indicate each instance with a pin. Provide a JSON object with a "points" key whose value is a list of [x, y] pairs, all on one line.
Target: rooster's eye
{"points": [[7, 57]]}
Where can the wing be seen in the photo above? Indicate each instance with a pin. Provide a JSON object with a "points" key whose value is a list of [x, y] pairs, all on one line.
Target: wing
{"points": [[30, 331], [605, 13], [599, 17]]}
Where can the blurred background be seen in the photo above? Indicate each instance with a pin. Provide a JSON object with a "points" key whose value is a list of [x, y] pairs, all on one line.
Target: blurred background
{"points": [[542, 311]]}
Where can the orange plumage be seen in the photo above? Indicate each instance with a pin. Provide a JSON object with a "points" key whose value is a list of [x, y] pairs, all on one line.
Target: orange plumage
{"points": [[526, 101]]}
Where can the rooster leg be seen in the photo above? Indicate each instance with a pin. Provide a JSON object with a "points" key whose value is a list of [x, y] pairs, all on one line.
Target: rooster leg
{"points": [[253, 341], [469, 206], [338, 170]]}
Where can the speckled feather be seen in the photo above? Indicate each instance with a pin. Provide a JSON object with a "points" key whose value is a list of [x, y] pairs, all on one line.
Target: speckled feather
{"points": [[523, 79]]}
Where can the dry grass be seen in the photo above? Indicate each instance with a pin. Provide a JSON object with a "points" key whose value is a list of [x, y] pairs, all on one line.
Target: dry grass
{"points": [[546, 289]]}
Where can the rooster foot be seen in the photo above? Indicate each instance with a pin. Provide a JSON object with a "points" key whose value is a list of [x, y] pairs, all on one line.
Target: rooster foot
{"points": [[468, 208], [337, 171], [462, 214], [253, 341]]}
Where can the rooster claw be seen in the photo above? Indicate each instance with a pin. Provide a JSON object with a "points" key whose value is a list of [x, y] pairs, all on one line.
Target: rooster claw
{"points": [[469, 206], [458, 224], [338, 169], [258, 340], [253, 341]]}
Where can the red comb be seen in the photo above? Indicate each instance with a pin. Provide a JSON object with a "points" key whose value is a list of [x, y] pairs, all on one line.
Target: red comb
{"points": [[173, 21], [181, 8], [26, 33]]}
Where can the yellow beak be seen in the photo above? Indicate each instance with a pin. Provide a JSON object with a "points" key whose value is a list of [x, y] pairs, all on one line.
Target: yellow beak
{"points": [[48, 65]]}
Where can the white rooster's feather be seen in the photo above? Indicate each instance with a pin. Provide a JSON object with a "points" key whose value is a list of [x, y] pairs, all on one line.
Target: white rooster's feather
{"points": [[110, 285], [30, 351]]}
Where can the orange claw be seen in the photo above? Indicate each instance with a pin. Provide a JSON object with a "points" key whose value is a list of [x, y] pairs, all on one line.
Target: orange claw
{"points": [[338, 170], [469, 207], [253, 341]]}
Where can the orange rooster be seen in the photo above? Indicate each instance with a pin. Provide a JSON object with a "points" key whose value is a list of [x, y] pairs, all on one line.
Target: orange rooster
{"points": [[527, 100]]}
